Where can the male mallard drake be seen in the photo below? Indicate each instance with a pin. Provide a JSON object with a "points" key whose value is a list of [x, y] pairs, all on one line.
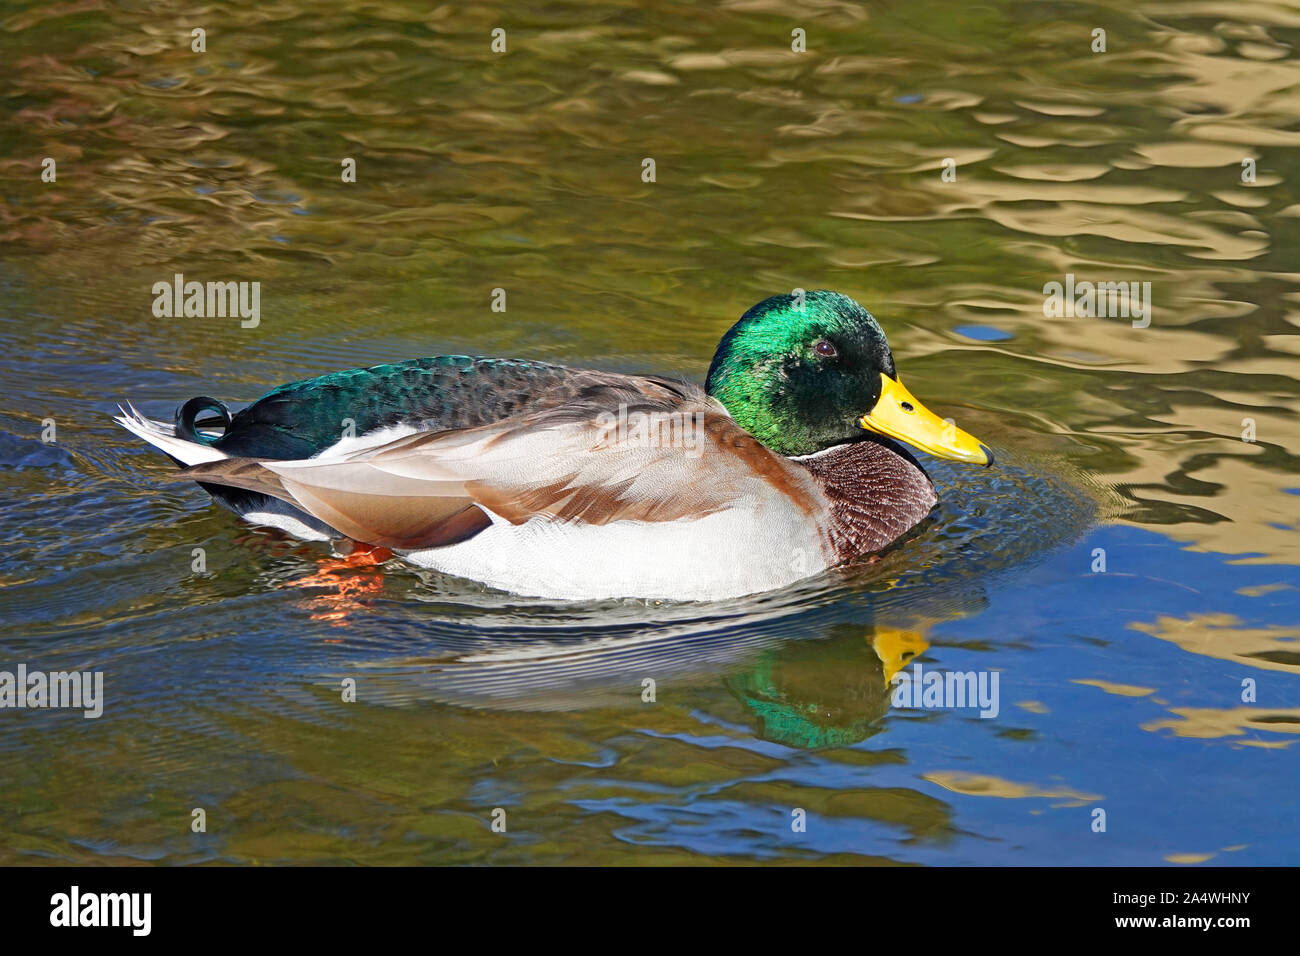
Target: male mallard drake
{"points": [[568, 483]]}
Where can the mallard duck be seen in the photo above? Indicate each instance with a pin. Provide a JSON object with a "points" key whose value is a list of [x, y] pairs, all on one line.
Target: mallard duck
{"points": [[575, 484]]}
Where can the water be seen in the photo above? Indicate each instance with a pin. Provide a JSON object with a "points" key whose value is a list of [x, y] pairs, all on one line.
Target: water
{"points": [[1120, 690]]}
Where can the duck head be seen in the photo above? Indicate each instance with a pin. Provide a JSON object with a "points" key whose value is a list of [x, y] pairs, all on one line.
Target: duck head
{"points": [[802, 373]]}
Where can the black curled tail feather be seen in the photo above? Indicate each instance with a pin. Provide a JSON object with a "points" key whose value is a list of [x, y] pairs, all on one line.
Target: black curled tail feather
{"points": [[187, 413]]}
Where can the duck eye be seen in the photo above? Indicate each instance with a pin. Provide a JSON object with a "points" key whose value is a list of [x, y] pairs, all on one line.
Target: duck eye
{"points": [[825, 349]]}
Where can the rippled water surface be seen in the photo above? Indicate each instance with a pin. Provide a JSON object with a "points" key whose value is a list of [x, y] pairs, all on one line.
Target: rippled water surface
{"points": [[1164, 690]]}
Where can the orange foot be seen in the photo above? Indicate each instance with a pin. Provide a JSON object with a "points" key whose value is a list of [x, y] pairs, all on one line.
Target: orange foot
{"points": [[344, 587], [358, 555]]}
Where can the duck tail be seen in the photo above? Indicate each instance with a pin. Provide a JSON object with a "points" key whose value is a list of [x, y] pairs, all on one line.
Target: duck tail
{"points": [[162, 435], [187, 415]]}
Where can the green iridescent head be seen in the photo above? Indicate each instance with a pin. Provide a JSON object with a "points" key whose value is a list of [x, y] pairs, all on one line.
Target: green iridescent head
{"points": [[799, 372]]}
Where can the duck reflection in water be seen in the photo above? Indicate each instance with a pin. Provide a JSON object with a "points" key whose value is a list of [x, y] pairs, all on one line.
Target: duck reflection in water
{"points": [[828, 693]]}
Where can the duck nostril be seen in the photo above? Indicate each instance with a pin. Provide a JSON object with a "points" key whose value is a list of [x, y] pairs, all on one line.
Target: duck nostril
{"points": [[907, 406]]}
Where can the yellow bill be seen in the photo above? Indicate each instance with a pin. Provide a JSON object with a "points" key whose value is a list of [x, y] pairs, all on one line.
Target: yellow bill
{"points": [[899, 415], [896, 648]]}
